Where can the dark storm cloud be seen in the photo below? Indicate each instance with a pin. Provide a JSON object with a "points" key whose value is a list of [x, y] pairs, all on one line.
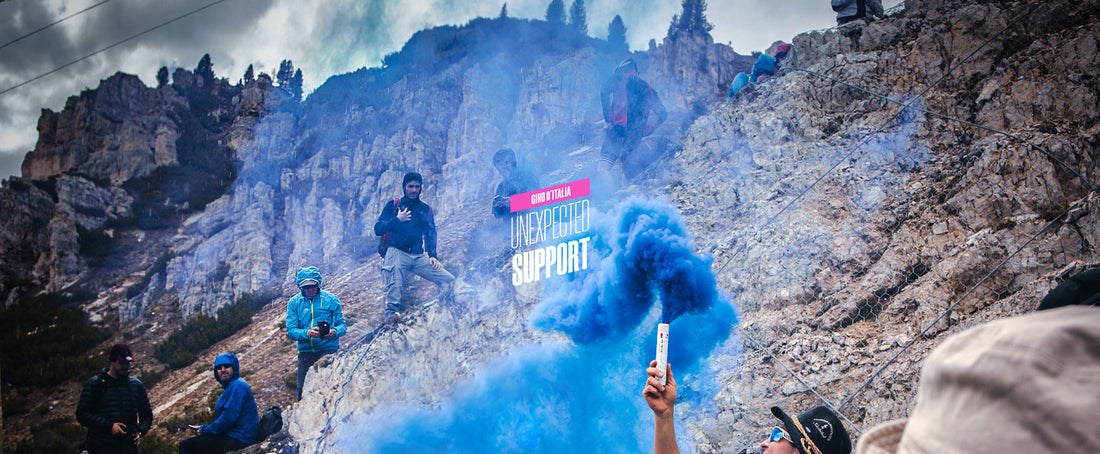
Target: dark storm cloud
{"points": [[179, 43]]}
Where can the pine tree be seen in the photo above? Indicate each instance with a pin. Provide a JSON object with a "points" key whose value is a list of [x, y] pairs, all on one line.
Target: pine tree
{"points": [[286, 71], [692, 19], [162, 76], [296, 85], [577, 17], [205, 69], [555, 13], [504, 10], [616, 34], [687, 15], [699, 22], [249, 74]]}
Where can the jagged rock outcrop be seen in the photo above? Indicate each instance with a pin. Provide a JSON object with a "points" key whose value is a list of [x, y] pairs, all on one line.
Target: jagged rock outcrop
{"points": [[116, 132], [850, 229], [846, 230]]}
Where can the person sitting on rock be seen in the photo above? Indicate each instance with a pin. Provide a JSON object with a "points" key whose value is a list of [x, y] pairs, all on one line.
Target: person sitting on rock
{"points": [[765, 66], [236, 419], [816, 431]]}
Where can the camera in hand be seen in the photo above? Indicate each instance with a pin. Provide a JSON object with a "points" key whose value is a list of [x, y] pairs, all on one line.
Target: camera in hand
{"points": [[323, 328]]}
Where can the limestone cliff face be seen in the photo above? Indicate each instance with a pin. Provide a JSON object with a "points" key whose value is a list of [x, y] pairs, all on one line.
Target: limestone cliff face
{"points": [[312, 179], [847, 227], [116, 132]]}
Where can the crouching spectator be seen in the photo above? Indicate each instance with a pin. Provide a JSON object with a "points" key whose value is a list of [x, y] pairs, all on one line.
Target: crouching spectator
{"points": [[236, 420]]}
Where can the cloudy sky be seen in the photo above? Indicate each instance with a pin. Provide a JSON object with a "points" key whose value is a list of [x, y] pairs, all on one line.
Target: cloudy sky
{"points": [[42, 65]]}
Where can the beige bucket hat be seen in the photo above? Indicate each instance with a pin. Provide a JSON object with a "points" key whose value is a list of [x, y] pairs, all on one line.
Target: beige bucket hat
{"points": [[1027, 384]]}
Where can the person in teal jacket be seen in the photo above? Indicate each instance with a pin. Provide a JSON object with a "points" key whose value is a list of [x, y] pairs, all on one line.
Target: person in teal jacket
{"points": [[236, 419], [315, 319]]}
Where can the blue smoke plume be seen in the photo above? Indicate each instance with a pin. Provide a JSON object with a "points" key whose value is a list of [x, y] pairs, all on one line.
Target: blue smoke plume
{"points": [[583, 394]]}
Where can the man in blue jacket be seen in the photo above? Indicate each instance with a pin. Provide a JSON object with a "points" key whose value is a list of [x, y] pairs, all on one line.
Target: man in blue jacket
{"points": [[315, 319], [236, 421], [411, 225]]}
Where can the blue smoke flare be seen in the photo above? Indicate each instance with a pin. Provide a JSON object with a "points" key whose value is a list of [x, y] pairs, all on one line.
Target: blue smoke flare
{"points": [[649, 257], [587, 393]]}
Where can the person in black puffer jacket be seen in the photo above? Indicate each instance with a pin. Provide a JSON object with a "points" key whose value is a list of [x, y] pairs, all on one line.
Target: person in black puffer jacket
{"points": [[114, 406]]}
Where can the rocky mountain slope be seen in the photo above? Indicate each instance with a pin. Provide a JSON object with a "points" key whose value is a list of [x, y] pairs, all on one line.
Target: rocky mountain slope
{"points": [[851, 234]]}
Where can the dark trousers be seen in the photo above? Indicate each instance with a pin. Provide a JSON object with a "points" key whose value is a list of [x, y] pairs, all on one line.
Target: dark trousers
{"points": [[306, 359], [619, 141], [115, 445], [210, 444]]}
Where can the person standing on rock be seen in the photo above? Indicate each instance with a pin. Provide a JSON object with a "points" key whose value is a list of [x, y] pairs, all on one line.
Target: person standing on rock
{"points": [[114, 406], [817, 431], [410, 226], [315, 319], [850, 10], [632, 110], [236, 419]]}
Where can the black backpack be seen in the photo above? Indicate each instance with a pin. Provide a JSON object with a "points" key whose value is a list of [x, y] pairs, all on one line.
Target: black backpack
{"points": [[271, 422]]}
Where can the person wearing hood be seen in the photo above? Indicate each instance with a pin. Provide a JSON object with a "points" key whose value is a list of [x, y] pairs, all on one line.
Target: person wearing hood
{"points": [[114, 406], [410, 224], [315, 319], [236, 419], [816, 431]]}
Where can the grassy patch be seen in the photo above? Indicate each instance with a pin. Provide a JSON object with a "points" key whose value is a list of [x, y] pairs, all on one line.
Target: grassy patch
{"points": [[182, 347]]}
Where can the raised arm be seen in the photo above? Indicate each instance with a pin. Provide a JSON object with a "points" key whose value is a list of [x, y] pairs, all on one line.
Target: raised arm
{"points": [[661, 399]]}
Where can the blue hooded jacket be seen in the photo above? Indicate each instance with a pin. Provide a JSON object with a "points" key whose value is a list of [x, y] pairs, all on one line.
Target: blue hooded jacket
{"points": [[303, 313], [235, 413], [763, 68]]}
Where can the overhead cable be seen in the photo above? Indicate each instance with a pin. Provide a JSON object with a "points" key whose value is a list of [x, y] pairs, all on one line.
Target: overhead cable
{"points": [[51, 24], [116, 44]]}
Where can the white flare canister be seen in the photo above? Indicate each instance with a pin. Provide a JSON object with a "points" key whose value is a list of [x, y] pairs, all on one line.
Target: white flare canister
{"points": [[662, 351]]}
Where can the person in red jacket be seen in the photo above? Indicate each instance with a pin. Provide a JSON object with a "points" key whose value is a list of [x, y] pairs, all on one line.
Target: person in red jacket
{"points": [[632, 110]]}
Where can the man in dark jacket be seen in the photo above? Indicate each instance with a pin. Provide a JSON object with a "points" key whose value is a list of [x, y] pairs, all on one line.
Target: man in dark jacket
{"points": [[515, 181], [236, 421], [631, 109], [114, 406], [411, 225]]}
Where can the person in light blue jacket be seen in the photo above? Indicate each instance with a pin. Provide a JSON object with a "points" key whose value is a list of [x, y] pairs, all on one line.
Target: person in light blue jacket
{"points": [[236, 419], [315, 319]]}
